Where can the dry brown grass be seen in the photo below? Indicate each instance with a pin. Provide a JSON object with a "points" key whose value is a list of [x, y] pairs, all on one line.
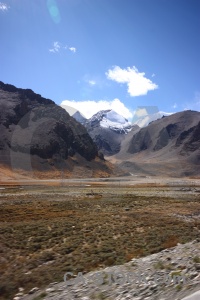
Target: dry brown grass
{"points": [[47, 231]]}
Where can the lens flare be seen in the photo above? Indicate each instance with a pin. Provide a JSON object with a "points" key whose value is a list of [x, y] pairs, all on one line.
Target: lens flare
{"points": [[53, 11]]}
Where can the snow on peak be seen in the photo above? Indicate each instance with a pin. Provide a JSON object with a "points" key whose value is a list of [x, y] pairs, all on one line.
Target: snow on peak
{"points": [[111, 119], [115, 117]]}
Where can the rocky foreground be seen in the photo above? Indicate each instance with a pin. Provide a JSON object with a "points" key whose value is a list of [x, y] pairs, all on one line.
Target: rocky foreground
{"points": [[170, 274]]}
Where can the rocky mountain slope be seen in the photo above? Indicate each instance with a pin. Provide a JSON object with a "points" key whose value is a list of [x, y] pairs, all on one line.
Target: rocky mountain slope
{"points": [[36, 134], [168, 146], [108, 129], [170, 274]]}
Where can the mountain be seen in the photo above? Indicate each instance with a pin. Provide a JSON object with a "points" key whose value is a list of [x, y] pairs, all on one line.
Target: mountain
{"points": [[79, 117], [108, 129], [71, 110], [38, 136], [144, 115], [168, 146], [110, 119]]}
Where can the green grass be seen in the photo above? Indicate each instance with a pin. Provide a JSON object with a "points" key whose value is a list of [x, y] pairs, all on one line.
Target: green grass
{"points": [[159, 265], [196, 259], [41, 296]]}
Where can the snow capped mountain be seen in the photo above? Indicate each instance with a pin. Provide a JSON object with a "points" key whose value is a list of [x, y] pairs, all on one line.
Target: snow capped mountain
{"points": [[107, 129], [110, 119], [144, 115]]}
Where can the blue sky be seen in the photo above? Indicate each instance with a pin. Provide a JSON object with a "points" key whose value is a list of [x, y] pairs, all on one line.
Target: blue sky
{"points": [[99, 54]]}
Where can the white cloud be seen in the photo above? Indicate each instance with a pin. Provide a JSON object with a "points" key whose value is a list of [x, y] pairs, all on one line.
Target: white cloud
{"points": [[137, 83], [164, 113], [91, 82], [94, 81], [175, 105], [3, 6], [56, 47], [90, 107], [72, 49]]}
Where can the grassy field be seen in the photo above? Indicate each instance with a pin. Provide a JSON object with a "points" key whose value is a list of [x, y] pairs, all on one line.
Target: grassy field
{"points": [[47, 231]]}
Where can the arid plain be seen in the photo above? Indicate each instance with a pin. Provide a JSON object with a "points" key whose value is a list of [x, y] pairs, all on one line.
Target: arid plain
{"points": [[50, 227]]}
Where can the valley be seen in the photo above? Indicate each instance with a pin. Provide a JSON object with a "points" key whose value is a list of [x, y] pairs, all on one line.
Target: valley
{"points": [[100, 150], [65, 207], [55, 226]]}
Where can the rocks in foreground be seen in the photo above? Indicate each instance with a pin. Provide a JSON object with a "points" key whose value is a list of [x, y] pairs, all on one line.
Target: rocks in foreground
{"points": [[170, 274]]}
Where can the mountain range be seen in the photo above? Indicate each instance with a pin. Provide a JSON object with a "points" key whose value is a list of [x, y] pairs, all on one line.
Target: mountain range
{"points": [[38, 135], [168, 146], [157, 146], [41, 139], [108, 128]]}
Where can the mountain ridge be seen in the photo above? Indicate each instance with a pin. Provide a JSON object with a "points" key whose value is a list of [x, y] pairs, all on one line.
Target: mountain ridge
{"points": [[108, 129], [162, 145], [38, 134]]}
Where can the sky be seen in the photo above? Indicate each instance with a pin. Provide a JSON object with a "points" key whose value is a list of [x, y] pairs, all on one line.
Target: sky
{"points": [[104, 54]]}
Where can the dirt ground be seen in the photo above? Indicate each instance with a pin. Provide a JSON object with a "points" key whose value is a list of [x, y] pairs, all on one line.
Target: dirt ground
{"points": [[50, 227]]}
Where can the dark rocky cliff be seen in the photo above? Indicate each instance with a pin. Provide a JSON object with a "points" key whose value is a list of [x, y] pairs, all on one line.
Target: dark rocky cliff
{"points": [[35, 126]]}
